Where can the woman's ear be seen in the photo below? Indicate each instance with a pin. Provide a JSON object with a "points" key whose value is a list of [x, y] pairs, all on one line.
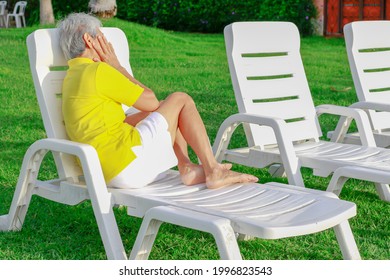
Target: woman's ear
{"points": [[88, 39]]}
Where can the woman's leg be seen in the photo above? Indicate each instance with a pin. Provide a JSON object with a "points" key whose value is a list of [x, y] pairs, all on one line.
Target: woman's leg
{"points": [[190, 173], [181, 114]]}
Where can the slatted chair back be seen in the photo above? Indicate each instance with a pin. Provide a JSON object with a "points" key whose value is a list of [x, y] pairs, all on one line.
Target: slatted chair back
{"points": [[368, 49], [269, 79]]}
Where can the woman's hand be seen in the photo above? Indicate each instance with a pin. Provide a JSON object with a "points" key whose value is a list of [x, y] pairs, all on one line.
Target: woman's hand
{"points": [[106, 52], [148, 101]]}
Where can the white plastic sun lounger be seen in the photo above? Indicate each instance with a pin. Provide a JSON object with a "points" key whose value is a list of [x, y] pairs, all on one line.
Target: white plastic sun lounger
{"points": [[270, 83], [368, 49], [267, 211]]}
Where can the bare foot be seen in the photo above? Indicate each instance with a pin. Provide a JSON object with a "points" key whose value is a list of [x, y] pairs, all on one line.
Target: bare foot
{"points": [[221, 177], [192, 174]]}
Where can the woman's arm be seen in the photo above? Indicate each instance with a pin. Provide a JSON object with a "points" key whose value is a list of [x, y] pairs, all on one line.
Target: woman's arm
{"points": [[148, 101]]}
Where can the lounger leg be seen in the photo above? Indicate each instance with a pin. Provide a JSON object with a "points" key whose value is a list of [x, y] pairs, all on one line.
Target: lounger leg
{"points": [[383, 191], [145, 239], [102, 206], [347, 241], [336, 184], [277, 171], [23, 192], [220, 228], [380, 178]]}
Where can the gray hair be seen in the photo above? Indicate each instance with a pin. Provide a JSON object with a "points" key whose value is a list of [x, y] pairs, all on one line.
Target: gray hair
{"points": [[71, 31]]}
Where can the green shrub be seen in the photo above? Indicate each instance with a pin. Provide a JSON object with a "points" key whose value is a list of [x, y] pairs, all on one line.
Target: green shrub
{"points": [[209, 16], [213, 15], [301, 12]]}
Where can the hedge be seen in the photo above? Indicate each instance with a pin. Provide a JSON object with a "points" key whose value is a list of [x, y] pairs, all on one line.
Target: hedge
{"points": [[209, 16], [213, 15]]}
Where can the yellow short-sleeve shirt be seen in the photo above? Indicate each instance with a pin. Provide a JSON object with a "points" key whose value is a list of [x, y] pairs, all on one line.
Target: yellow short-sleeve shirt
{"points": [[93, 94]]}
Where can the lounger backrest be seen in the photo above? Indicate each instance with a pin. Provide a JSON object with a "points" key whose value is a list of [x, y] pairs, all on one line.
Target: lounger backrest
{"points": [[48, 67], [368, 48], [269, 79]]}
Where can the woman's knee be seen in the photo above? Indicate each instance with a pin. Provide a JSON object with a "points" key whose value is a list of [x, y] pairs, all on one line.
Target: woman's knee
{"points": [[173, 105], [182, 97]]}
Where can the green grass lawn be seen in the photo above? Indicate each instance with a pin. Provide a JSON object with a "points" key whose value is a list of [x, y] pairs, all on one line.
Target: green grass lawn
{"points": [[167, 62]]}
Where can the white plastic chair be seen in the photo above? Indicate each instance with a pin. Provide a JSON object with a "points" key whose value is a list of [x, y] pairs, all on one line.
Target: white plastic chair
{"points": [[18, 14], [368, 49], [267, 211], [269, 81], [3, 5]]}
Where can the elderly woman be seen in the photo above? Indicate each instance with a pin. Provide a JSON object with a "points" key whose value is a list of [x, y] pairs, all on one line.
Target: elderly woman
{"points": [[136, 149]]}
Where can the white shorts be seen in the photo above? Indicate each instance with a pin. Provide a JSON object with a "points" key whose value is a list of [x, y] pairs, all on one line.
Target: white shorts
{"points": [[154, 156]]}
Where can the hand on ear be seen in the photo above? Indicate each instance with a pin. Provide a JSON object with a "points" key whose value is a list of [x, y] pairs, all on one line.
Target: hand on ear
{"points": [[106, 51], [101, 50], [92, 47]]}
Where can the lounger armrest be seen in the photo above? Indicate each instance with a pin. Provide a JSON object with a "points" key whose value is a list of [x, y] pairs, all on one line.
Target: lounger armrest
{"points": [[347, 114], [285, 144], [368, 105], [64, 146], [85, 153]]}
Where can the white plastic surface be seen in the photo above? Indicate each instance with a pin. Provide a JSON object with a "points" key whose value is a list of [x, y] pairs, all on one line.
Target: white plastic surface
{"points": [[368, 49], [294, 143]]}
